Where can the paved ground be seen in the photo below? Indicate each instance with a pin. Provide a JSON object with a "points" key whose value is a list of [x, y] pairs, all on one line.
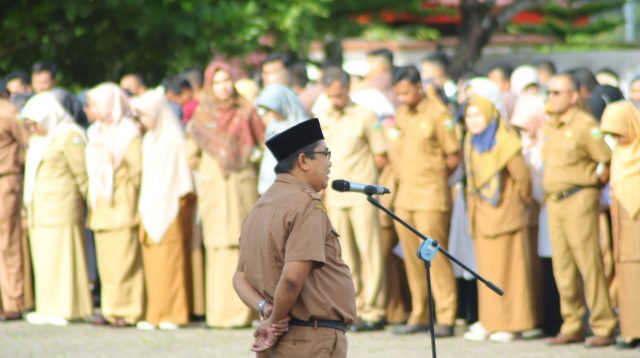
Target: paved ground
{"points": [[20, 339]]}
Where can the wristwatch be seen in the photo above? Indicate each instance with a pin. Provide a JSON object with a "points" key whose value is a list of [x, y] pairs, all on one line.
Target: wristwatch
{"points": [[261, 305]]}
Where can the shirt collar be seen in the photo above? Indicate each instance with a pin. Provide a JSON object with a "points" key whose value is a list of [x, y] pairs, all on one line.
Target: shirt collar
{"points": [[295, 181]]}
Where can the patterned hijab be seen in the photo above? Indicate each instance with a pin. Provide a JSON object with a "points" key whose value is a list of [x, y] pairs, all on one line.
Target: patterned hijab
{"points": [[623, 118], [485, 162], [227, 130]]}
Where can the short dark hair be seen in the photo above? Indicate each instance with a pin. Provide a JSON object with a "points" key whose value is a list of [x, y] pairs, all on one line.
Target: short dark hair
{"points": [[439, 58], [382, 52], [298, 74], [585, 78], [332, 74], [572, 79], [409, 73], [547, 65], [278, 56], [42, 66], [287, 164], [194, 76], [504, 68], [21, 75], [176, 84]]}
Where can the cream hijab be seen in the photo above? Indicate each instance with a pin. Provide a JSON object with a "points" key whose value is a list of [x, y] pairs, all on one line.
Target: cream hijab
{"points": [[109, 138], [44, 109], [623, 118], [165, 173]]}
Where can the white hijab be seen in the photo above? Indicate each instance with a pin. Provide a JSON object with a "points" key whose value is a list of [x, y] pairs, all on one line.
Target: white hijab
{"points": [[165, 173], [109, 138], [483, 87], [44, 109]]}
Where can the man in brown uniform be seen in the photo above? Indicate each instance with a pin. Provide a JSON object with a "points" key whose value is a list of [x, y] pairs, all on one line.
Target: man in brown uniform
{"points": [[357, 140], [573, 147], [290, 259], [428, 151], [12, 136]]}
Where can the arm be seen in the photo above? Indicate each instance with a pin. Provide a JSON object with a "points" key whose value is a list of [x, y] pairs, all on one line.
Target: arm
{"points": [[247, 293], [288, 289], [74, 153], [521, 175]]}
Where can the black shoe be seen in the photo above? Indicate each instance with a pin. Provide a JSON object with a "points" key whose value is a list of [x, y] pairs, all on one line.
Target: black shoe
{"points": [[411, 329], [628, 343], [366, 326]]}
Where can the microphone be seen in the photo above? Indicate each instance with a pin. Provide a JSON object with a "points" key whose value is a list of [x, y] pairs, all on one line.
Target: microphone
{"points": [[343, 185]]}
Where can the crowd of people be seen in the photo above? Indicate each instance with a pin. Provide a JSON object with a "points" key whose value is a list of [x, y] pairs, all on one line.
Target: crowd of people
{"points": [[124, 205]]}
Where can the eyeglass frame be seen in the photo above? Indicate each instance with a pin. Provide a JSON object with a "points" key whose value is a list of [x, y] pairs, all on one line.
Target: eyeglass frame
{"points": [[326, 153]]}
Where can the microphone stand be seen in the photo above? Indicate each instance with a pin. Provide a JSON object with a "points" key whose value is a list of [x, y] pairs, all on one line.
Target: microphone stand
{"points": [[427, 252]]}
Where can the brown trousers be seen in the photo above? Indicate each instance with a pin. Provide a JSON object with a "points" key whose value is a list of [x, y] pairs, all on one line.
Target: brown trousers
{"points": [[396, 288], [434, 224], [11, 275], [573, 226], [313, 342], [166, 267]]}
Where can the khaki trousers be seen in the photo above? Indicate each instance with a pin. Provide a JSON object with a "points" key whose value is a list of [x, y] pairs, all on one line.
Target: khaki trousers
{"points": [[359, 231], [121, 277], [11, 266], [313, 342], [573, 226], [434, 224]]}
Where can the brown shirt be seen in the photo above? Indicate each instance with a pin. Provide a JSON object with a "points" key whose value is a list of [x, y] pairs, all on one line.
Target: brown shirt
{"points": [[486, 220], [572, 148], [354, 136], [288, 224], [427, 136], [12, 136]]}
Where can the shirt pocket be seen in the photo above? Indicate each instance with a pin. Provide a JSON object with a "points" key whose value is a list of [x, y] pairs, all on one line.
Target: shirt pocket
{"points": [[332, 244]]}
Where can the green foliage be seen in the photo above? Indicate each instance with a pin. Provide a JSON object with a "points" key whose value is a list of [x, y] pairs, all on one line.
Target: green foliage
{"points": [[560, 20]]}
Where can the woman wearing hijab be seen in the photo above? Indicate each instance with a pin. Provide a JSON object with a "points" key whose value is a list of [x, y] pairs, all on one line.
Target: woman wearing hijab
{"points": [[282, 109], [622, 120], [54, 194], [114, 164], [498, 191], [224, 132], [165, 209], [529, 115]]}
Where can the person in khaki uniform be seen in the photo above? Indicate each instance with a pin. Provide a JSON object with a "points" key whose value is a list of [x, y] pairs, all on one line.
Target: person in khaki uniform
{"points": [[622, 120], [498, 192], [572, 148], [114, 165], [221, 137], [12, 137], [428, 151], [54, 194], [290, 257], [165, 207], [359, 152]]}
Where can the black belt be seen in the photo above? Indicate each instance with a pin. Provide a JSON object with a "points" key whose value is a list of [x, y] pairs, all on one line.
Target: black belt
{"points": [[567, 193], [339, 325]]}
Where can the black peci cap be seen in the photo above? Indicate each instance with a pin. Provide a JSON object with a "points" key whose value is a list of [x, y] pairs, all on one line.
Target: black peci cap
{"points": [[283, 144]]}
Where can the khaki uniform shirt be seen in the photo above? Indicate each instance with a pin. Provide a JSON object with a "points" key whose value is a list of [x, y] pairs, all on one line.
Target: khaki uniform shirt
{"points": [[61, 182], [427, 136], [12, 136], [354, 137], [122, 211], [572, 149], [288, 224]]}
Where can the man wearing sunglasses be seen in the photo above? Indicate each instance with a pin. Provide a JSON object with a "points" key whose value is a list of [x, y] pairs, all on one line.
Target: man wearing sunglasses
{"points": [[572, 148]]}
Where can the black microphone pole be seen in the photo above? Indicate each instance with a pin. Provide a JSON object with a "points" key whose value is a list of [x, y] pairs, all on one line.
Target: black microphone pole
{"points": [[426, 252]]}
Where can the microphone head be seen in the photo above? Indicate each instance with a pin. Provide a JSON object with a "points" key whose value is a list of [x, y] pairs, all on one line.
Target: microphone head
{"points": [[340, 185]]}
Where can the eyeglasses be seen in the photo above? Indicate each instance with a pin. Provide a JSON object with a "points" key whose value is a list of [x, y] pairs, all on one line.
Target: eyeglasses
{"points": [[557, 92], [326, 153]]}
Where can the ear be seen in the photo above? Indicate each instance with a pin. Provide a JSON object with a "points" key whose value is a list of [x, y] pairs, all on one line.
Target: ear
{"points": [[303, 162], [575, 97]]}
